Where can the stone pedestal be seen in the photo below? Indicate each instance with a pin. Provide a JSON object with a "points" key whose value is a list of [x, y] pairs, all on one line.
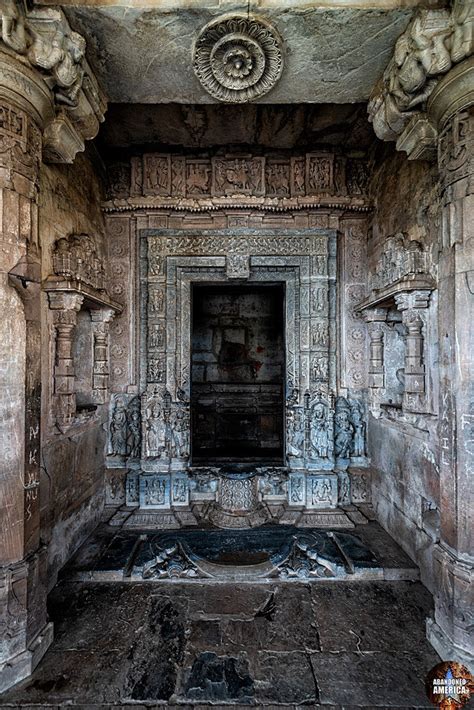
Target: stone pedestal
{"points": [[451, 109]]}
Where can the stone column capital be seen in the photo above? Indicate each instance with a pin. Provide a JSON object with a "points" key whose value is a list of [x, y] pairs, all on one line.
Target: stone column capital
{"points": [[375, 315], [452, 94], [102, 315], [413, 300], [44, 72], [60, 300], [431, 63]]}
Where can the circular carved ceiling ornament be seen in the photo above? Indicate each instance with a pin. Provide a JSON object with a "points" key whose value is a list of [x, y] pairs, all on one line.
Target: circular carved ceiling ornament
{"points": [[238, 59]]}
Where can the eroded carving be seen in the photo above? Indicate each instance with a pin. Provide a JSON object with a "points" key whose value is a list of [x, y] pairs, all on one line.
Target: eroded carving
{"points": [[434, 40]]}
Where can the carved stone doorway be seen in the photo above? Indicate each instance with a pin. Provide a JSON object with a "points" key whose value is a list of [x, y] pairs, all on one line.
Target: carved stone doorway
{"points": [[237, 373]]}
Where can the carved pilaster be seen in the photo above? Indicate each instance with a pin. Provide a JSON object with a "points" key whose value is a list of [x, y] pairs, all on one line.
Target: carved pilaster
{"points": [[375, 318], [412, 305], [65, 307], [451, 108], [100, 374], [25, 104]]}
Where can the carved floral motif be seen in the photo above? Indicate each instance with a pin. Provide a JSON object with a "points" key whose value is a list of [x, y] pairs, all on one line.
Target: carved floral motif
{"points": [[238, 59]]}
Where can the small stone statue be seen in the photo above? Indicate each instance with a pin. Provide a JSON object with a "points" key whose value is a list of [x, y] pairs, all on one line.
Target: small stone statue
{"points": [[118, 429], [319, 430], [344, 430], [358, 448], [134, 434], [179, 435], [154, 427], [296, 433]]}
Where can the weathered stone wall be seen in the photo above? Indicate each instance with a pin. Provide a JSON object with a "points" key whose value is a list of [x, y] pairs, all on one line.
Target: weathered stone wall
{"points": [[403, 445], [73, 460]]}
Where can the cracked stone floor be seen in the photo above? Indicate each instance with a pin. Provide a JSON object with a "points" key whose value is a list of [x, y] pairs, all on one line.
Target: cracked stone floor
{"points": [[281, 644]]}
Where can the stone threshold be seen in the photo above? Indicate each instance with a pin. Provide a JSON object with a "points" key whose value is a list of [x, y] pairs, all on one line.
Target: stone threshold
{"points": [[272, 552]]}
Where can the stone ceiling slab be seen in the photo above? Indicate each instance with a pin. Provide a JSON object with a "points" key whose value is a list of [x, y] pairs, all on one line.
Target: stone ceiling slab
{"points": [[280, 127], [144, 54]]}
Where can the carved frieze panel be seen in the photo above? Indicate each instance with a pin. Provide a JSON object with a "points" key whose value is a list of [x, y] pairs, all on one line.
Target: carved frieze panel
{"points": [[156, 174], [198, 177], [286, 178], [321, 491], [319, 173], [241, 176]]}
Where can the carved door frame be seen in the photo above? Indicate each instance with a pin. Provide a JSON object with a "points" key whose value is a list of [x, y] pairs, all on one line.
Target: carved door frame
{"points": [[171, 260]]}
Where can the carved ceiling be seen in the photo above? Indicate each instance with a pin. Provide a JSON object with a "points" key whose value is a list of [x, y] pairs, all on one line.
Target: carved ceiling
{"points": [[144, 54]]}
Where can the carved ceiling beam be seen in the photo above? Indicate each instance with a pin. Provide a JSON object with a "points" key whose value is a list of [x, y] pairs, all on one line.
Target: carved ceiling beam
{"points": [[61, 87], [435, 41]]}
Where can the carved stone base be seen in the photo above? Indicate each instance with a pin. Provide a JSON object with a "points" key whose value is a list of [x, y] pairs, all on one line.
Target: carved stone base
{"points": [[21, 666], [226, 519], [445, 647]]}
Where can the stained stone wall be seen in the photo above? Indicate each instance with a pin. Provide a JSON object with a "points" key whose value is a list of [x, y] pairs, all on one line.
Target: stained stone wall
{"points": [[403, 442], [72, 477]]}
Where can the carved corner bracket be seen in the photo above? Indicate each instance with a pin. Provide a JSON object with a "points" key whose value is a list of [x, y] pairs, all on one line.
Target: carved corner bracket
{"points": [[435, 41], [43, 40]]}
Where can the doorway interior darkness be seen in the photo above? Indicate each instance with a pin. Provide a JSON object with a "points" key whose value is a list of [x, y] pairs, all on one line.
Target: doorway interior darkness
{"points": [[238, 368]]}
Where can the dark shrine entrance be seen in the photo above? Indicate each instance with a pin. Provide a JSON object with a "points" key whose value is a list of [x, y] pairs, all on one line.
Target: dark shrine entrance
{"points": [[238, 368]]}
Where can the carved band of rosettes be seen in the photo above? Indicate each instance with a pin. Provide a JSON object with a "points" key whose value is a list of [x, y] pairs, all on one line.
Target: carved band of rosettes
{"points": [[165, 175]]}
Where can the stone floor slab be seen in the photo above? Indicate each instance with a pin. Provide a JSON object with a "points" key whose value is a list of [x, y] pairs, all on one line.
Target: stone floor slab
{"points": [[378, 680], [200, 645]]}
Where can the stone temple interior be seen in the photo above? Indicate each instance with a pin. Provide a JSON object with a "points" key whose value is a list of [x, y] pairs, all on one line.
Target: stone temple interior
{"points": [[236, 395]]}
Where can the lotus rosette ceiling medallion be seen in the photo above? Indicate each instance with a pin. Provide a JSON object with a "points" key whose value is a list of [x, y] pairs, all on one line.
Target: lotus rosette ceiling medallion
{"points": [[238, 59]]}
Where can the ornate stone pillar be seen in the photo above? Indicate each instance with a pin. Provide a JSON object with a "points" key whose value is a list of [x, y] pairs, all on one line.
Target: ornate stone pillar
{"points": [[100, 375], [41, 114], [451, 109], [66, 307], [375, 319], [24, 105], [413, 305]]}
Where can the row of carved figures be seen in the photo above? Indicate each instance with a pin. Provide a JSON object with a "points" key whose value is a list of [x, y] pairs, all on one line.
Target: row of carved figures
{"points": [[324, 428], [77, 257], [165, 431], [125, 428]]}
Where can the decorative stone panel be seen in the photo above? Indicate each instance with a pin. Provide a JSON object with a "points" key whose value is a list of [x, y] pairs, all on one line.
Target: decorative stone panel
{"points": [[322, 431]]}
